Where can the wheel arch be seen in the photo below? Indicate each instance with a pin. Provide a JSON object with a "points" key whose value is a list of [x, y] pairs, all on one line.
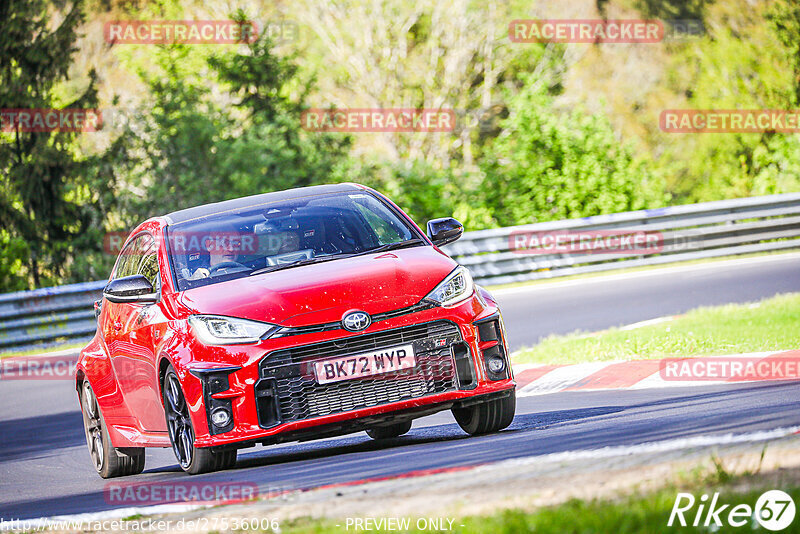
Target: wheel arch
{"points": [[163, 364]]}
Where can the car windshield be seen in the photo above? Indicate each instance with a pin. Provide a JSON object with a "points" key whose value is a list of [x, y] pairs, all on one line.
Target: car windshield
{"points": [[282, 235]]}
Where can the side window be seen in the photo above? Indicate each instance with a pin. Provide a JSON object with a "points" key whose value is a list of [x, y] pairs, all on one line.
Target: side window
{"points": [[128, 260], [148, 262], [139, 257]]}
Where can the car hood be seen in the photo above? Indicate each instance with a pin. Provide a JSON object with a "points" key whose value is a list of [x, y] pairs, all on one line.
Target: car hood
{"points": [[323, 292]]}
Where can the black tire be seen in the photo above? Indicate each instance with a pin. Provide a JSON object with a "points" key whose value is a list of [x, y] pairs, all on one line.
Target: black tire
{"points": [[108, 461], [208, 459], [226, 458], [389, 431], [193, 460], [487, 417]]}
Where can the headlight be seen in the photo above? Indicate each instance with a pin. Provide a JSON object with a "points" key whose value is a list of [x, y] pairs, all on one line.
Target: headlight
{"points": [[218, 330], [457, 286]]}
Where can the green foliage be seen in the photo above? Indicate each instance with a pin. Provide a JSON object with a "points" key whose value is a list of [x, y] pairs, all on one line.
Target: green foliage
{"points": [[50, 189], [776, 165], [417, 187], [784, 17], [750, 62], [197, 151], [224, 121], [423, 191], [673, 9], [14, 252], [548, 165]]}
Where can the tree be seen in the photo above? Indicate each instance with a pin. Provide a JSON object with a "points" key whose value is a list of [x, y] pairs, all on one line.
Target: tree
{"points": [[49, 196], [784, 17], [400, 54], [746, 60], [272, 151], [194, 150], [549, 165]]}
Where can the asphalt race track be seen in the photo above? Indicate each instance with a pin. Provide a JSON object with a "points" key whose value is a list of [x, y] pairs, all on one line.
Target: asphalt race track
{"points": [[45, 469]]}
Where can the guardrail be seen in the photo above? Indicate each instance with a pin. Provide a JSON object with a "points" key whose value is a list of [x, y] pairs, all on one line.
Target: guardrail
{"points": [[689, 232], [29, 318], [696, 231]]}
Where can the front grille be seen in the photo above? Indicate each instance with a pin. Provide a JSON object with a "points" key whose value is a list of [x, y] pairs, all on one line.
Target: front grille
{"points": [[298, 396], [337, 325]]}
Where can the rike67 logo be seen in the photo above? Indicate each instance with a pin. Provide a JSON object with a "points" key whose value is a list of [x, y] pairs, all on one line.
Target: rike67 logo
{"points": [[774, 510]]}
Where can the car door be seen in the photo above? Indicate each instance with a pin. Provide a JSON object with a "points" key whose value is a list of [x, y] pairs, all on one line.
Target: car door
{"points": [[114, 315], [133, 353]]}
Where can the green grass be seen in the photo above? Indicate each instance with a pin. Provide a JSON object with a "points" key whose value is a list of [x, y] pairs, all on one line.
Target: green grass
{"points": [[634, 514], [771, 325]]}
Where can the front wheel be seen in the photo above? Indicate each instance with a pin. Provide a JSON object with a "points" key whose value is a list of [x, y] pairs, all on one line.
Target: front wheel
{"points": [[108, 460], [487, 417], [192, 459]]}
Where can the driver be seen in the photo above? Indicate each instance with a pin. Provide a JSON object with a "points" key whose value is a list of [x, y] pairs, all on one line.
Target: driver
{"points": [[219, 251]]}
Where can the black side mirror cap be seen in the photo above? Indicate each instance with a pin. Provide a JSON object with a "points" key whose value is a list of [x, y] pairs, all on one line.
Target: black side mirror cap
{"points": [[445, 230], [134, 288]]}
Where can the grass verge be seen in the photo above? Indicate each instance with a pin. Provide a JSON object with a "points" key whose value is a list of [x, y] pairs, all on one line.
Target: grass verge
{"points": [[649, 512], [769, 325]]}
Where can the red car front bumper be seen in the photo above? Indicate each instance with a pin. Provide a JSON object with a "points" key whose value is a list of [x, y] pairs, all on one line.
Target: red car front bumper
{"points": [[265, 412], [271, 392]]}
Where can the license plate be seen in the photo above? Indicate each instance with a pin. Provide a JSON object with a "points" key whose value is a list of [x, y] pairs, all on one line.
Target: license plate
{"points": [[371, 363]]}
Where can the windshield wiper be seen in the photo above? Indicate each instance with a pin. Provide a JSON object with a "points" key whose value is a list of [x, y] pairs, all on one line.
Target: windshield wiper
{"points": [[395, 246], [281, 266]]}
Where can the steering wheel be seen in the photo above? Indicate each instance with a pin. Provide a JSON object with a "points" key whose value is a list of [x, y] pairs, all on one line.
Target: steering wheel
{"points": [[226, 265]]}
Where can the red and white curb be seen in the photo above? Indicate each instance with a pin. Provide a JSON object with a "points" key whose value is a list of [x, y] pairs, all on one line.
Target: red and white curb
{"points": [[539, 379]]}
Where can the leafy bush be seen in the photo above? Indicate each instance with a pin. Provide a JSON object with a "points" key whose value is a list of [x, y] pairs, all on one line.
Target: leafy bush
{"points": [[548, 165]]}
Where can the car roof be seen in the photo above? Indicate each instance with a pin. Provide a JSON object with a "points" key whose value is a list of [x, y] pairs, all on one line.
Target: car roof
{"points": [[206, 210]]}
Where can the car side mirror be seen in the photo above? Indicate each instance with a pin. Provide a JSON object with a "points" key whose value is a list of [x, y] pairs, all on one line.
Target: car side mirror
{"points": [[134, 288], [445, 230]]}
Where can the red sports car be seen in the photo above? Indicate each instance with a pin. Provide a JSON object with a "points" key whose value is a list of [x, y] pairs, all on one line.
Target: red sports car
{"points": [[281, 317]]}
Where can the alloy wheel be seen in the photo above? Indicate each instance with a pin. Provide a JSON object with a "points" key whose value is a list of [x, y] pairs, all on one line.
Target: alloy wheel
{"points": [[180, 426], [94, 426]]}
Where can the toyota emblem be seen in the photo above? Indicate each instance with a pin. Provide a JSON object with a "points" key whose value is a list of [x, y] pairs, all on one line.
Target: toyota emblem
{"points": [[356, 321]]}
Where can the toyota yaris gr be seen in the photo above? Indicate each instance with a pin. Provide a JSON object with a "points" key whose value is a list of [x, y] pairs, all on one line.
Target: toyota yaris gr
{"points": [[281, 317]]}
